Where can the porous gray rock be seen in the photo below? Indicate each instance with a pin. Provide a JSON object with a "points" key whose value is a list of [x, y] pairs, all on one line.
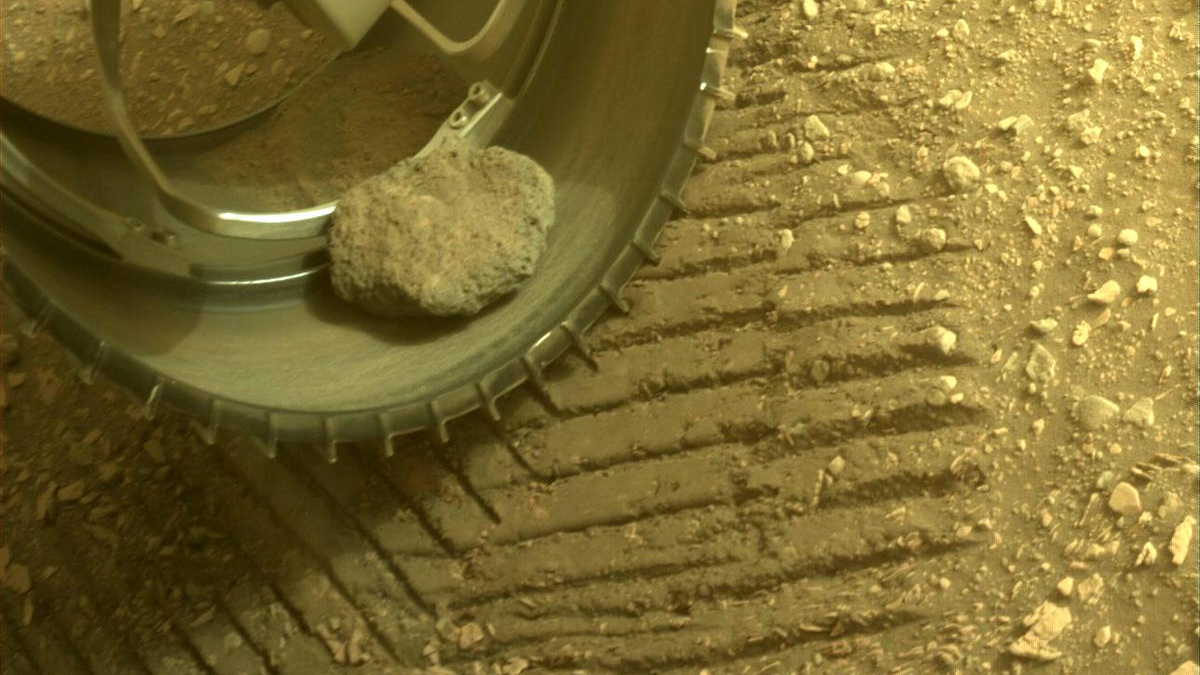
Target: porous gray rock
{"points": [[445, 234]]}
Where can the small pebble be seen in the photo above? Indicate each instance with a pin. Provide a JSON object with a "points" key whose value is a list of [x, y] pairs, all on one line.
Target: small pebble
{"points": [[1127, 237], [1094, 412], [807, 152], [1147, 285], [1102, 637], [1079, 336], [1125, 500], [815, 129], [1107, 294], [903, 215], [1044, 326], [1041, 365], [1066, 586], [1187, 668], [883, 71], [810, 8], [1097, 71], [932, 239], [1181, 540], [961, 31], [961, 173], [1141, 413], [940, 338], [258, 41], [1095, 231]]}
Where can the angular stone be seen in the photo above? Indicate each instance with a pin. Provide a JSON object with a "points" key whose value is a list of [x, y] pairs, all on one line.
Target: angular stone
{"points": [[961, 173], [1125, 500], [1093, 412], [1041, 364], [1141, 413]]}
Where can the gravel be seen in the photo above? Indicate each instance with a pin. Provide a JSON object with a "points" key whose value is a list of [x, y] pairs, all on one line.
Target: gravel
{"points": [[445, 234]]}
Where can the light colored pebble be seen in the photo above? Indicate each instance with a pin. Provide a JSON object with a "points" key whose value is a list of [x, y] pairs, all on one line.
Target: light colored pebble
{"points": [[1181, 540], [815, 129], [961, 173], [1147, 285], [1125, 500], [1066, 586], [1102, 637], [1141, 413], [1106, 294], [1127, 237], [1094, 412], [258, 42]]}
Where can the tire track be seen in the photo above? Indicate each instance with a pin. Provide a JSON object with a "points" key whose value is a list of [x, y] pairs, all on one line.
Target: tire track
{"points": [[762, 470]]}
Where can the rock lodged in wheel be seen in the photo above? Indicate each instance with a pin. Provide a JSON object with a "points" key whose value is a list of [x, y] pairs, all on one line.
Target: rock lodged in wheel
{"points": [[445, 234]]}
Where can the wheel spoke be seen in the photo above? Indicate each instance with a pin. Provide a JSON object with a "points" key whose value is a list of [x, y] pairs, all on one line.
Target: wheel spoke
{"points": [[106, 29]]}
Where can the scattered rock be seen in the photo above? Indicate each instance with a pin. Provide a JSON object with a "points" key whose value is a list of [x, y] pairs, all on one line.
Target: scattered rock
{"points": [[1187, 668], [1097, 71], [883, 71], [1125, 500], [1094, 412], [1079, 336], [1090, 588], [234, 74], [807, 152], [1147, 556], [1181, 540], [1090, 135], [258, 41], [836, 466], [1046, 623], [1066, 586], [941, 339], [1034, 226], [469, 635], [1107, 294], [860, 178], [903, 215], [1141, 413], [1102, 637], [1044, 326], [1041, 364], [815, 129], [786, 239], [961, 30], [433, 258], [1147, 285], [811, 9], [1127, 237], [931, 239], [961, 173]]}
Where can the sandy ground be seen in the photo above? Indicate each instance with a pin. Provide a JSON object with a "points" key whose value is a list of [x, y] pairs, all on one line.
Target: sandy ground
{"points": [[878, 410]]}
